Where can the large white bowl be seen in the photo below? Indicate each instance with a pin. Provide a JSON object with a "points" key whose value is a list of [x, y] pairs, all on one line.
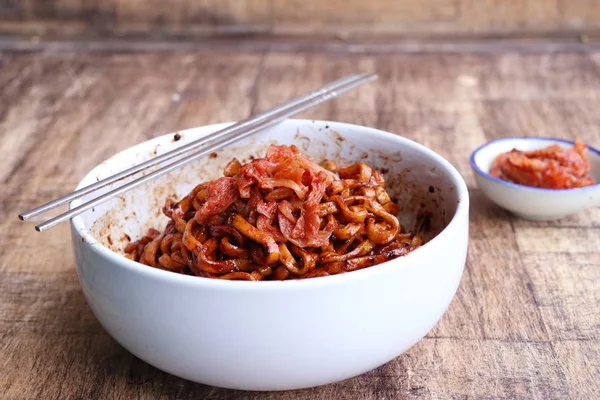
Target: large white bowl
{"points": [[275, 335]]}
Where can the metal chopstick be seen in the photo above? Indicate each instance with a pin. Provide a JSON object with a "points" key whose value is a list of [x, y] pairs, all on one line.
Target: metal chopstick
{"points": [[252, 121], [322, 96]]}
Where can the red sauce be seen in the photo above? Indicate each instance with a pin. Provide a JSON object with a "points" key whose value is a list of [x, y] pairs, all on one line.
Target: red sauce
{"points": [[552, 167], [280, 217]]}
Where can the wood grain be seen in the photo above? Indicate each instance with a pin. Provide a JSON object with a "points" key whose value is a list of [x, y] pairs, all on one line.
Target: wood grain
{"points": [[525, 323], [348, 18]]}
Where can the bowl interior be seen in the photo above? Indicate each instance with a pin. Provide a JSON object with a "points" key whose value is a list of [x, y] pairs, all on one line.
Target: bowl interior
{"points": [[484, 156], [423, 182]]}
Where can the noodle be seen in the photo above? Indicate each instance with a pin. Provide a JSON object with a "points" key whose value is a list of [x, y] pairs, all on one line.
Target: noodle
{"points": [[279, 217]]}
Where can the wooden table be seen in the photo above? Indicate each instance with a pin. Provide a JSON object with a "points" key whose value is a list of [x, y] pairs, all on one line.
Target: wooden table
{"points": [[525, 323]]}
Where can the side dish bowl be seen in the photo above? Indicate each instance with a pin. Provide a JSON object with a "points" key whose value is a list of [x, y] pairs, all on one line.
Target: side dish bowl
{"points": [[531, 202], [275, 335]]}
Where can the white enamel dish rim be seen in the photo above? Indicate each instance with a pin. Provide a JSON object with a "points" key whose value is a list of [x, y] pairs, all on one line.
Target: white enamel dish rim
{"points": [[89, 240], [487, 175]]}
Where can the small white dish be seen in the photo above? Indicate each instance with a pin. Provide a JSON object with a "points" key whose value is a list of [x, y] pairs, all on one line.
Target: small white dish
{"points": [[529, 202]]}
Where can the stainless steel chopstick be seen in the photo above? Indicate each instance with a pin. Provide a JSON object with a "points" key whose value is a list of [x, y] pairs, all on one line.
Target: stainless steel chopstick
{"points": [[204, 141], [215, 145]]}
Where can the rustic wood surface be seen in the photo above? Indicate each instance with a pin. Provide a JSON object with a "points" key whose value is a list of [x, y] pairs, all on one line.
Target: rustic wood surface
{"points": [[525, 323], [431, 18]]}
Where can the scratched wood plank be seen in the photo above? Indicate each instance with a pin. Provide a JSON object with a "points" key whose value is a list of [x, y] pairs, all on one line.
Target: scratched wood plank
{"points": [[439, 18], [580, 240], [588, 218], [564, 119], [565, 287], [496, 290], [581, 363], [434, 369], [524, 323]]}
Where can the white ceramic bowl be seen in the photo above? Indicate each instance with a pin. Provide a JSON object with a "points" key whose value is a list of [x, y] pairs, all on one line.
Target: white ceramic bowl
{"points": [[529, 202], [275, 335]]}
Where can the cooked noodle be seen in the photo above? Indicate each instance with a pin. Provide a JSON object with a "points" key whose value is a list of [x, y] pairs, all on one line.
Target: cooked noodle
{"points": [[279, 217]]}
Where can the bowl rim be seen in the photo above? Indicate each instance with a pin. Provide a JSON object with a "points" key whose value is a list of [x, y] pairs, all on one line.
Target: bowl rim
{"points": [[488, 176], [85, 238]]}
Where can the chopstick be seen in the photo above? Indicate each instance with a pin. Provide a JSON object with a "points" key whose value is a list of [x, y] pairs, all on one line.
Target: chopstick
{"points": [[187, 147], [206, 145]]}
